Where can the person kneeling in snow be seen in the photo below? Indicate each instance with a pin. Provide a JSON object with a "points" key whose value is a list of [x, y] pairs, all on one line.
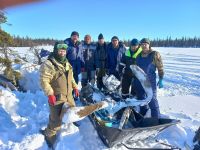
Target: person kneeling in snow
{"points": [[57, 81]]}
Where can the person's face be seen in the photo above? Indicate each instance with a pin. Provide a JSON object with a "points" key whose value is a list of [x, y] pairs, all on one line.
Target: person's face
{"points": [[134, 48], [115, 42], [145, 47], [74, 38], [62, 52], [101, 41], [87, 40]]}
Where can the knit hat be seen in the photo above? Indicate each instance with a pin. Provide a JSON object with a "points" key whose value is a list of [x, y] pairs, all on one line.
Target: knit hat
{"points": [[134, 42], [145, 40], [115, 38], [100, 36], [75, 33]]}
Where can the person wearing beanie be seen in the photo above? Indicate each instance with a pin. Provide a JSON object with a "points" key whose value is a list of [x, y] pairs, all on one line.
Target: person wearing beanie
{"points": [[100, 36], [129, 58], [101, 58], [115, 50], [57, 82], [90, 61], [149, 60], [75, 33], [74, 55]]}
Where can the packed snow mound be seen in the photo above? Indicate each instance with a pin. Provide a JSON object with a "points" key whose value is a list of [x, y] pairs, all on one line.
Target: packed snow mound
{"points": [[21, 116], [30, 80]]}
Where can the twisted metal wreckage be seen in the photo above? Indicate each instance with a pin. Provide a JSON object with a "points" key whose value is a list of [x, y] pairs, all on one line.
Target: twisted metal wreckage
{"points": [[118, 122]]}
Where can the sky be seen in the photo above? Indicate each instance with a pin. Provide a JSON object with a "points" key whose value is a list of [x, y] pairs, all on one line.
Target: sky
{"points": [[126, 19]]}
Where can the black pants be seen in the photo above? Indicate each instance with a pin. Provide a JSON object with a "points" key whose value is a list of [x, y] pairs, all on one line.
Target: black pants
{"points": [[100, 74], [127, 79]]}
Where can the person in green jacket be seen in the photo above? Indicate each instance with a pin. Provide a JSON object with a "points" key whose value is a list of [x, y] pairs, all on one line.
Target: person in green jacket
{"points": [[128, 59], [57, 82]]}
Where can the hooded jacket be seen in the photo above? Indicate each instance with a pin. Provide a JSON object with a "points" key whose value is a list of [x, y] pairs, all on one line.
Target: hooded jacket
{"points": [[57, 79]]}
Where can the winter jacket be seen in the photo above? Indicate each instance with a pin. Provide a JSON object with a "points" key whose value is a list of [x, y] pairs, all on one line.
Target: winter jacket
{"points": [[89, 56], [101, 55], [74, 55], [128, 58], [58, 80], [114, 56], [156, 60]]}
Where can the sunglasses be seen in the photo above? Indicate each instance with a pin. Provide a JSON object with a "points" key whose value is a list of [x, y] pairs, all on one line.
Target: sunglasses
{"points": [[62, 46]]}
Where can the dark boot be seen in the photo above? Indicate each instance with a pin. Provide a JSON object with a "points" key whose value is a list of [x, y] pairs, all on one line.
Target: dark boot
{"points": [[50, 140]]}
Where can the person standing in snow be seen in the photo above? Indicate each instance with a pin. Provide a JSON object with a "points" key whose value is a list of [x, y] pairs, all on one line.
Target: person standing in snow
{"points": [[115, 50], [148, 61], [57, 81], [129, 58], [90, 61], [101, 56], [74, 54]]}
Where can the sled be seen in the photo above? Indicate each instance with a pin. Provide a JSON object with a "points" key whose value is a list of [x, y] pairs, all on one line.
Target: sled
{"points": [[120, 123], [139, 129]]}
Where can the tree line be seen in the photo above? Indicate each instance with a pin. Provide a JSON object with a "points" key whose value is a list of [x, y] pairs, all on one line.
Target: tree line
{"points": [[168, 42], [177, 42]]}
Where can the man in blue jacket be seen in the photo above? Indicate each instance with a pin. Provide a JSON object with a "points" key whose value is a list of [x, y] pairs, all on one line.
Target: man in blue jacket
{"points": [[115, 50], [74, 54], [90, 61]]}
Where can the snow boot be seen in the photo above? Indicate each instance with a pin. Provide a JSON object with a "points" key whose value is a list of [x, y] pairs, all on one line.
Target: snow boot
{"points": [[49, 140]]}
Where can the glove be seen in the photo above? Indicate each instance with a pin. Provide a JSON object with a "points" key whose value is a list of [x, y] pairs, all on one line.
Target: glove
{"points": [[160, 83], [82, 69], [76, 92], [52, 100]]}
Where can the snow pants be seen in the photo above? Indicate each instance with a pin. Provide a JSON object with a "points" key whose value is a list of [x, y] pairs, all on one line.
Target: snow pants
{"points": [[127, 79], [100, 74], [153, 104], [88, 76], [54, 124]]}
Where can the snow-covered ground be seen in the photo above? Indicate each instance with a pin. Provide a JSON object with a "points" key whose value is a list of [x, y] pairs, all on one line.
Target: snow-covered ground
{"points": [[23, 114]]}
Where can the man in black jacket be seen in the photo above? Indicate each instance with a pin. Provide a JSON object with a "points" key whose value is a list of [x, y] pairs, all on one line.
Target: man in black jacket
{"points": [[101, 53], [129, 58]]}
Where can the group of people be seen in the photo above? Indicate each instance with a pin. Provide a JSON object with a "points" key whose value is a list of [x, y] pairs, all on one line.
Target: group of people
{"points": [[72, 61]]}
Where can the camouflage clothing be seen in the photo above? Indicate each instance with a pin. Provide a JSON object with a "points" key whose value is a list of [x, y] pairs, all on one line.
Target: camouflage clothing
{"points": [[157, 61], [56, 79]]}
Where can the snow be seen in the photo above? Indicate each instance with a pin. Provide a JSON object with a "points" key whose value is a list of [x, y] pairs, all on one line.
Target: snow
{"points": [[24, 113]]}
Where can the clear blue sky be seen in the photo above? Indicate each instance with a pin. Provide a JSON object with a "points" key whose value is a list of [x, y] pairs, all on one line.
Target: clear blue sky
{"points": [[125, 18]]}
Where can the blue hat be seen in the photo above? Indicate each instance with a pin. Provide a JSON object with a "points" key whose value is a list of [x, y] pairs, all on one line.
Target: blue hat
{"points": [[134, 42], [75, 33]]}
